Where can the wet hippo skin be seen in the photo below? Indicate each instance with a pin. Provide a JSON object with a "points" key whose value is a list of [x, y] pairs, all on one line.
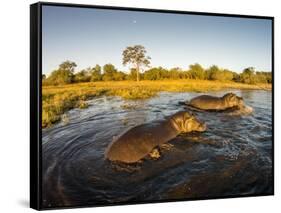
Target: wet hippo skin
{"points": [[137, 142], [207, 102]]}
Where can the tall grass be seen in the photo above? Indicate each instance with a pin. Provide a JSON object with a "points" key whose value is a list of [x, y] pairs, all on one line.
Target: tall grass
{"points": [[56, 100]]}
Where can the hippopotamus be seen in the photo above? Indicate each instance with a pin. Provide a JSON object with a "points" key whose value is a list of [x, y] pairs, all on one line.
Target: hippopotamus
{"points": [[207, 102], [139, 141]]}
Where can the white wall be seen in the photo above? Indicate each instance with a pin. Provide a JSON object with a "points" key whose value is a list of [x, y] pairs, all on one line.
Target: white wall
{"points": [[14, 104]]}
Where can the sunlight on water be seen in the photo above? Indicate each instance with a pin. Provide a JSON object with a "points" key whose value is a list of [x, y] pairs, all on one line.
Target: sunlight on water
{"points": [[233, 157]]}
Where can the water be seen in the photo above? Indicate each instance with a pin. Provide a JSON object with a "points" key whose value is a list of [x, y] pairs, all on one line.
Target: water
{"points": [[233, 157]]}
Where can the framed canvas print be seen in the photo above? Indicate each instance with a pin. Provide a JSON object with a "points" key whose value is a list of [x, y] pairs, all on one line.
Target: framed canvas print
{"points": [[133, 105]]}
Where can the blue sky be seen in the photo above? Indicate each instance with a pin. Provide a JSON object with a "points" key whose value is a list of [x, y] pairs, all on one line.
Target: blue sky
{"points": [[96, 36]]}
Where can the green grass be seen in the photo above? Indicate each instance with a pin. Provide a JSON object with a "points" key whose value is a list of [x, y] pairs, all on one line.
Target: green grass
{"points": [[56, 100]]}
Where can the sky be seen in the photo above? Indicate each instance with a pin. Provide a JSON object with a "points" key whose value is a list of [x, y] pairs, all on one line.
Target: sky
{"points": [[90, 36]]}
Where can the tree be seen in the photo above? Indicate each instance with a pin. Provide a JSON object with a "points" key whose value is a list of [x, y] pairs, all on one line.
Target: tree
{"points": [[60, 77], [133, 74], [83, 76], [261, 77], [213, 73], [236, 77], [108, 72], [96, 73], [68, 66], [228, 75], [175, 73], [196, 71], [135, 55], [155, 73], [249, 70], [247, 75], [217, 74], [119, 76], [63, 75], [264, 77]]}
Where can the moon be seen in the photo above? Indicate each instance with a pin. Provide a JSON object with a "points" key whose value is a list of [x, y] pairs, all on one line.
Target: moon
{"points": [[134, 21]]}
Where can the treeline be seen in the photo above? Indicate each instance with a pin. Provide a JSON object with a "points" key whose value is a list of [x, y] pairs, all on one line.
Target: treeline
{"points": [[66, 74]]}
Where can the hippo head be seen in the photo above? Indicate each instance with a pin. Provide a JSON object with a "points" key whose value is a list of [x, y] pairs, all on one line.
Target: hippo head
{"points": [[187, 122], [233, 100]]}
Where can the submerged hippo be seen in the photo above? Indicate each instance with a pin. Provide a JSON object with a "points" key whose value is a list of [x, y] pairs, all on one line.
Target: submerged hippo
{"points": [[139, 141], [207, 102]]}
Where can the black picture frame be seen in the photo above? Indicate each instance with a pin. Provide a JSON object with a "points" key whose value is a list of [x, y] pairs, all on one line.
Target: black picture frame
{"points": [[36, 98]]}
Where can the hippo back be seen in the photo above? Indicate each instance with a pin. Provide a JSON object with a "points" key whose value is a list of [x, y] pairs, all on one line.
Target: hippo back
{"points": [[137, 142], [207, 102]]}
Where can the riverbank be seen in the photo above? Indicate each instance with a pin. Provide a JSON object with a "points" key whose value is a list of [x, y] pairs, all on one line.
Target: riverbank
{"points": [[56, 100]]}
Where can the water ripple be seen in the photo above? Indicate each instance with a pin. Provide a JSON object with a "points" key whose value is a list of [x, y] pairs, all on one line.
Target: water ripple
{"points": [[233, 157]]}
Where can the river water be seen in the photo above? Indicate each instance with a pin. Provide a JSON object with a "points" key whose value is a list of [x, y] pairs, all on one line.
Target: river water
{"points": [[232, 157]]}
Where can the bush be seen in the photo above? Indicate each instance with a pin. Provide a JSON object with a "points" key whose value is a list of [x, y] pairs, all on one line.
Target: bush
{"points": [[196, 71], [59, 77], [108, 72], [156, 73], [215, 73], [82, 76], [95, 73], [119, 76], [63, 75]]}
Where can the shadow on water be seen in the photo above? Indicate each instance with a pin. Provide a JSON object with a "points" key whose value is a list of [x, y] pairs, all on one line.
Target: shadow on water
{"points": [[233, 157]]}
